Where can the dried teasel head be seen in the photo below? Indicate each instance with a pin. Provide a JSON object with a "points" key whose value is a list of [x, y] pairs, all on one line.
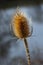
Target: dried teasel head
{"points": [[20, 25]]}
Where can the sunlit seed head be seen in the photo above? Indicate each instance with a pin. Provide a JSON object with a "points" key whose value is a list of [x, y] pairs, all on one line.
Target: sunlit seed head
{"points": [[20, 26]]}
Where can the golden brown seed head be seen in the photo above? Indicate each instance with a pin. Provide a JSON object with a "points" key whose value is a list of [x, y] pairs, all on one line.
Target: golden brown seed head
{"points": [[20, 26]]}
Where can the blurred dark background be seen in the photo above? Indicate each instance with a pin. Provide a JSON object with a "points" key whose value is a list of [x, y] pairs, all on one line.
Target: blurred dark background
{"points": [[12, 51], [12, 3]]}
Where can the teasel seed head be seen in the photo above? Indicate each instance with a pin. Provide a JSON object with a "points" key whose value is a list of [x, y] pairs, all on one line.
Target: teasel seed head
{"points": [[20, 26]]}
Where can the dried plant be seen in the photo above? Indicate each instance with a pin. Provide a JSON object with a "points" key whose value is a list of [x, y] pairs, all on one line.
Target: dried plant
{"points": [[21, 29]]}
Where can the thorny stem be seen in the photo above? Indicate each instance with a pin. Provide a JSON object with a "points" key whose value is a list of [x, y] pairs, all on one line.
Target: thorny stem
{"points": [[27, 51]]}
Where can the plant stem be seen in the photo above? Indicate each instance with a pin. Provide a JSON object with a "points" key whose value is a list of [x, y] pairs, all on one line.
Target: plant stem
{"points": [[27, 51]]}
